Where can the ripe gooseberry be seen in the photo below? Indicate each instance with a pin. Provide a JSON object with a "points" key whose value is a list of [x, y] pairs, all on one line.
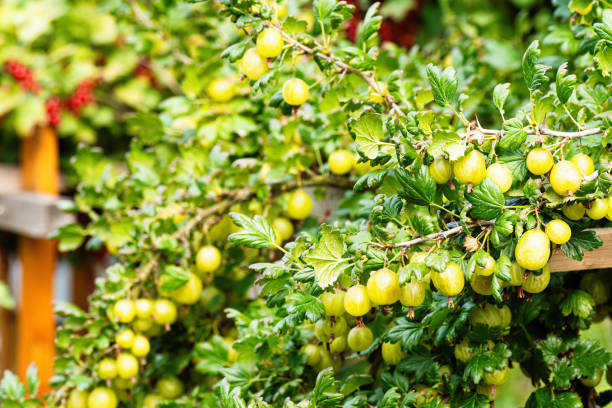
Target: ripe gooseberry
{"points": [[253, 65], [383, 287], [481, 284], [269, 43], [501, 175], [341, 162], [164, 312], [299, 205], [471, 168], [125, 338], [127, 365], [124, 310], [565, 178], [283, 228], [151, 401], [449, 282], [532, 250], [392, 353], [141, 346], [360, 338], [412, 294], [313, 354], [102, 397], [597, 209], [221, 90], [77, 399], [338, 345], [593, 381], [537, 283], [144, 308], [574, 211], [584, 163], [441, 170], [497, 377], [558, 231], [595, 286], [169, 387], [489, 266], [539, 161], [333, 302], [356, 301], [337, 327], [107, 369], [463, 352], [208, 259], [295, 92], [190, 292]]}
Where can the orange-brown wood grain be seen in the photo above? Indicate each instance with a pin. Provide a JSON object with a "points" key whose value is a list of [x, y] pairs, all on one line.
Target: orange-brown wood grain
{"points": [[7, 323], [597, 259], [35, 319]]}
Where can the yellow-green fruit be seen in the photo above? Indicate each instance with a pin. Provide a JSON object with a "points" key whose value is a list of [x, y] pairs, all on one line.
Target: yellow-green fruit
{"points": [[532, 250], [517, 274], [338, 345], [144, 308], [190, 292], [232, 354], [295, 91], [537, 283], [221, 89], [471, 168], [124, 310], [333, 302], [392, 353], [584, 164], [488, 268], [609, 215], [127, 365], [383, 287], [441, 170], [151, 401], [463, 352], [594, 381], [481, 284], [609, 375], [574, 211], [164, 311], [597, 209], [412, 294], [253, 65], [340, 162], [125, 338], [102, 397], [313, 354], [539, 161], [501, 175], [593, 284], [141, 346], [356, 301], [486, 389], [169, 387], [77, 399], [299, 205], [558, 231], [451, 281], [208, 259], [379, 96], [360, 338], [142, 325], [269, 43], [565, 178], [107, 369], [497, 377], [283, 228]]}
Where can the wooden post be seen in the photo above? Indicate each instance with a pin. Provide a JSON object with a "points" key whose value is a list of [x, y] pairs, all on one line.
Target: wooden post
{"points": [[7, 323], [35, 321], [598, 259]]}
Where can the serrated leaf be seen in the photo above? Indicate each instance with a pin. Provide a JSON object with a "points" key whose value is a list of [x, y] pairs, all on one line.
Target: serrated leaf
{"points": [[545, 398], [173, 277], [516, 163], [562, 373], [500, 95], [419, 364], [550, 348], [235, 51], [369, 26], [604, 29], [534, 73], [446, 143], [419, 188], [585, 239], [443, 84], [475, 401], [565, 84], [256, 232], [406, 331], [391, 399], [371, 180], [589, 355], [578, 303], [514, 134], [487, 200], [503, 268], [32, 379], [368, 133], [11, 387], [326, 257]]}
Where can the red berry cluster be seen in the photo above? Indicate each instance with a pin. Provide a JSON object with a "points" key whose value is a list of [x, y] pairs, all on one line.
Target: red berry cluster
{"points": [[143, 69], [23, 75], [54, 107], [81, 96]]}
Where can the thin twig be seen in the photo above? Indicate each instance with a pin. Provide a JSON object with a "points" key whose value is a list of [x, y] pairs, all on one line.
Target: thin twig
{"points": [[544, 131]]}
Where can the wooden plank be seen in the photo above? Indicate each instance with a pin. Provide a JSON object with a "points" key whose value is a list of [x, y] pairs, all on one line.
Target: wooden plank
{"points": [[597, 259], [10, 179], [32, 214], [36, 323]]}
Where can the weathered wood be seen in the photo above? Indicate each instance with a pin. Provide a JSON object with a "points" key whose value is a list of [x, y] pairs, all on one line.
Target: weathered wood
{"points": [[597, 259], [31, 214], [36, 323]]}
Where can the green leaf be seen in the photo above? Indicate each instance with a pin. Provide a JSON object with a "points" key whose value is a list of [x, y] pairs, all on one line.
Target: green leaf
{"points": [[419, 364], [562, 372], [256, 232], [6, 300], [487, 200], [11, 387], [516, 163], [70, 237], [603, 60], [580, 6], [325, 392], [545, 398], [551, 348], [514, 134], [235, 51], [533, 72], [447, 143], [370, 180], [565, 84], [500, 96], [475, 401], [503, 268], [578, 303], [369, 27], [173, 277], [604, 29], [406, 331], [368, 133], [326, 257], [589, 355], [419, 188], [443, 84], [391, 399], [32, 379], [585, 239]]}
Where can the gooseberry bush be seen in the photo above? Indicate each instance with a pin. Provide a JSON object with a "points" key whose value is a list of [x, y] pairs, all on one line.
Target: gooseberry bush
{"points": [[234, 287]]}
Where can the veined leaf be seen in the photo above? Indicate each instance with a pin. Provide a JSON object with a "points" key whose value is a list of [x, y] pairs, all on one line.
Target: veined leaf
{"points": [[326, 257], [565, 84], [443, 84], [256, 232], [487, 200], [419, 188], [368, 133], [534, 73], [500, 95]]}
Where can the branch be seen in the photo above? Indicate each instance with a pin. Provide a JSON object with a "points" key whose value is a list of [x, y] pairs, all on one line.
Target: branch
{"points": [[332, 59], [544, 131], [437, 235]]}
